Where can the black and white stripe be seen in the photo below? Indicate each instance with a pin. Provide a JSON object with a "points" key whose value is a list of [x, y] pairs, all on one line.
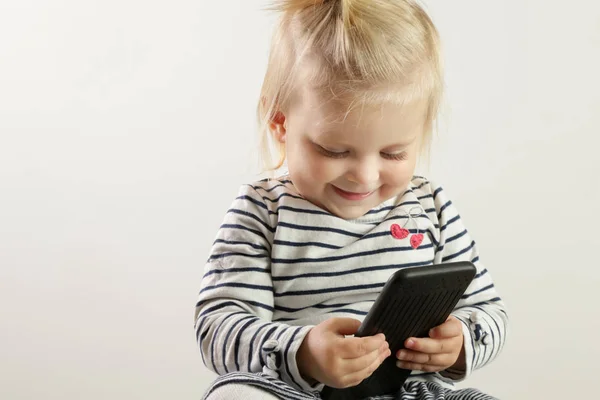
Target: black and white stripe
{"points": [[280, 264]]}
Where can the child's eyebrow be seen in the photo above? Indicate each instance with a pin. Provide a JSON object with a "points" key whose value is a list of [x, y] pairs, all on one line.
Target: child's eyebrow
{"points": [[400, 146]]}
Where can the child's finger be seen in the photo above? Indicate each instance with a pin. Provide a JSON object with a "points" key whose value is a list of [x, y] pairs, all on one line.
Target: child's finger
{"points": [[359, 364], [415, 357], [355, 378], [451, 328], [356, 347], [419, 367], [431, 346], [342, 326]]}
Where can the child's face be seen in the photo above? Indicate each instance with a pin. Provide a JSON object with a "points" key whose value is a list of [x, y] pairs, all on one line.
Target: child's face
{"points": [[350, 165]]}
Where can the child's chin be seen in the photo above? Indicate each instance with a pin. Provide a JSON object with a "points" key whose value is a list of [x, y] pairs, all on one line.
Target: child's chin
{"points": [[350, 212]]}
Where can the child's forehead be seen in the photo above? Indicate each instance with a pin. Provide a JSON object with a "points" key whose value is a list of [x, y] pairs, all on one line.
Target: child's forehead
{"points": [[366, 128], [324, 111]]}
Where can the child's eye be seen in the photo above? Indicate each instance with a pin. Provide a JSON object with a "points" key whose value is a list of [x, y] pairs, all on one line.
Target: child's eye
{"points": [[395, 156], [331, 154]]}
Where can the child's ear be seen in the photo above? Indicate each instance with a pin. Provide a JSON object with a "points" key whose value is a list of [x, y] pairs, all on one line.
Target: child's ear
{"points": [[277, 127]]}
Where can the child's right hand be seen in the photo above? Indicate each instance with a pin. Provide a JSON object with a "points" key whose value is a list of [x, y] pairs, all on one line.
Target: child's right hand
{"points": [[328, 357]]}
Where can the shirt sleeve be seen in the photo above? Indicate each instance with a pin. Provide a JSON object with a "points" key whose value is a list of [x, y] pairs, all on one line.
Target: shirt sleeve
{"points": [[481, 310], [233, 315]]}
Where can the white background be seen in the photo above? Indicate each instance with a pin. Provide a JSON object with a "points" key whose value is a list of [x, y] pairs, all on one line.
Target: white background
{"points": [[127, 126]]}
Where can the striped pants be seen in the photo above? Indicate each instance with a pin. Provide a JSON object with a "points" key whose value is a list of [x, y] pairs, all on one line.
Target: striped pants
{"points": [[247, 386]]}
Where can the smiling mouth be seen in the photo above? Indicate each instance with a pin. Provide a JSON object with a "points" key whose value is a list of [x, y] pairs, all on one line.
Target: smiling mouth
{"points": [[351, 195]]}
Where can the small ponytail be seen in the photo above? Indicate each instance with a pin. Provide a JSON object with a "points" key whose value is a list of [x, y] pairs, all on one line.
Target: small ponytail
{"points": [[293, 6]]}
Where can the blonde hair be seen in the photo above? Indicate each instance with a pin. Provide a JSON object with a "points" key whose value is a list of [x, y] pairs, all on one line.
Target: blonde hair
{"points": [[360, 51]]}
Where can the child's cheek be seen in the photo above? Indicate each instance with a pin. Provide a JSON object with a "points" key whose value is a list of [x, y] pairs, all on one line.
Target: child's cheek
{"points": [[398, 177], [323, 170]]}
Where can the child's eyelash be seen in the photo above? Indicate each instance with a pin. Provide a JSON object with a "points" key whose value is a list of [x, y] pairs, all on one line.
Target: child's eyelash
{"points": [[394, 156], [389, 156], [331, 154]]}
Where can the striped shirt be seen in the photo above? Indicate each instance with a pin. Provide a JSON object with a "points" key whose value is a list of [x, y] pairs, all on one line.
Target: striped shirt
{"points": [[281, 265]]}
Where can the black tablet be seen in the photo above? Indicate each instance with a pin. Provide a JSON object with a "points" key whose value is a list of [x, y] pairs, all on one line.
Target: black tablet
{"points": [[413, 301]]}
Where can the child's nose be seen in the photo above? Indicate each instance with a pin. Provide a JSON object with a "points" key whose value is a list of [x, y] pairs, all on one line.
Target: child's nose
{"points": [[364, 173]]}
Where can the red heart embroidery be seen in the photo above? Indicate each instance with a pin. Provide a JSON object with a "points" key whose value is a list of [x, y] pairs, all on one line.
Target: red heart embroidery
{"points": [[416, 240], [398, 232]]}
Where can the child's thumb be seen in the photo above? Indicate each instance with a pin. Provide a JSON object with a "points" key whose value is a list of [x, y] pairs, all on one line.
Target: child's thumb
{"points": [[345, 326]]}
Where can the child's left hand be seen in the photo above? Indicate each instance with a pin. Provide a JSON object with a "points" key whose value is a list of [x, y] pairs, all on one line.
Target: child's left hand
{"points": [[441, 350]]}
